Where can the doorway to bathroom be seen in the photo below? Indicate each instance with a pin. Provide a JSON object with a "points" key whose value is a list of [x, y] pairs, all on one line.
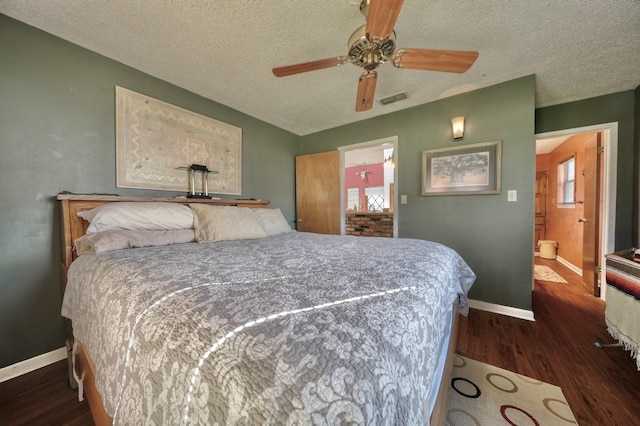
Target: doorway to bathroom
{"points": [[575, 199], [368, 177]]}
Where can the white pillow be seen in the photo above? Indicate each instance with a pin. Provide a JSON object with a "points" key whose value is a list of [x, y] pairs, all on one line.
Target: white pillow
{"points": [[272, 221], [116, 239], [220, 223], [138, 215]]}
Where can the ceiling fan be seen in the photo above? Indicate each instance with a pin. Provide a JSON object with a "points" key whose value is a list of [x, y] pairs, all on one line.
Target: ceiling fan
{"points": [[375, 43]]}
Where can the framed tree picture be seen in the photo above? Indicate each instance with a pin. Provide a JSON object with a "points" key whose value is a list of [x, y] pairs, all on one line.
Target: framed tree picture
{"points": [[467, 169]]}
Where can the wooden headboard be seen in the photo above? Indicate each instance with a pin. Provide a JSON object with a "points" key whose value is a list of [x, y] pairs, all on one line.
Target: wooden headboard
{"points": [[73, 226]]}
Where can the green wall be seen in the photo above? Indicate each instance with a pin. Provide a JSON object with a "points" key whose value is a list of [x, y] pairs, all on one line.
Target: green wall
{"points": [[493, 236], [617, 107], [57, 132]]}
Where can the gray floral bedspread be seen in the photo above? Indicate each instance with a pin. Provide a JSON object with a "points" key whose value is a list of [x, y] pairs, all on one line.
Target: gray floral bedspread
{"points": [[295, 328]]}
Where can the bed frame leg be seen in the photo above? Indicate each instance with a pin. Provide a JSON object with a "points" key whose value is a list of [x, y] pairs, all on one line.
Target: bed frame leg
{"points": [[72, 382]]}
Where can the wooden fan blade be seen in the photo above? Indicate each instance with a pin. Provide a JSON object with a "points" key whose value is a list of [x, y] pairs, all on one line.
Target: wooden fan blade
{"points": [[382, 17], [366, 90], [309, 66], [434, 60]]}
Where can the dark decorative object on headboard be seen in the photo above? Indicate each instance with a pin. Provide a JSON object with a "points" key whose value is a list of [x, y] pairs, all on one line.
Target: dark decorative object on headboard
{"points": [[192, 180]]}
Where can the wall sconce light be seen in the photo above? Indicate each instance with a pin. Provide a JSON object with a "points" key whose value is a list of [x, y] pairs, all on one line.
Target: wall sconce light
{"points": [[458, 128]]}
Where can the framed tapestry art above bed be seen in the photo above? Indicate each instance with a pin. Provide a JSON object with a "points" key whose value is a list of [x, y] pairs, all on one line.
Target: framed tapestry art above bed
{"points": [[154, 139]]}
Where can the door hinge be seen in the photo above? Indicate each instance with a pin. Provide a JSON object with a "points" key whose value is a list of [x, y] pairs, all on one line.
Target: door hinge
{"points": [[597, 269], [601, 150]]}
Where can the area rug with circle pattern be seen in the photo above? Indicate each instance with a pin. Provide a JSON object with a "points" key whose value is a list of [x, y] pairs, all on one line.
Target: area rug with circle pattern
{"points": [[485, 395]]}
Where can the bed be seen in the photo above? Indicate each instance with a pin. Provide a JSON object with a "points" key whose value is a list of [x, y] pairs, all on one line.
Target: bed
{"points": [[294, 328], [622, 312]]}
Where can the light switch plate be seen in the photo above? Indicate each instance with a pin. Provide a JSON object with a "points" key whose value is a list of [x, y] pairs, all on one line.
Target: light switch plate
{"points": [[403, 199], [512, 195]]}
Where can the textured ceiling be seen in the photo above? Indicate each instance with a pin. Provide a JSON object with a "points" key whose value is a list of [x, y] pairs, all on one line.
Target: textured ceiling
{"points": [[546, 145], [224, 49]]}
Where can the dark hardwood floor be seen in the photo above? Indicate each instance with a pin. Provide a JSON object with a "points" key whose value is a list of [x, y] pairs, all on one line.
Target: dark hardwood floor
{"points": [[42, 397], [601, 385]]}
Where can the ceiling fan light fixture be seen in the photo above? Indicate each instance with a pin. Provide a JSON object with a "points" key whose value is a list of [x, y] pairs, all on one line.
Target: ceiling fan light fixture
{"points": [[362, 48]]}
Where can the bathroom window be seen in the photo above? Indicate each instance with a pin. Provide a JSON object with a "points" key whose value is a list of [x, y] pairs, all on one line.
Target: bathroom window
{"points": [[567, 182], [353, 199]]}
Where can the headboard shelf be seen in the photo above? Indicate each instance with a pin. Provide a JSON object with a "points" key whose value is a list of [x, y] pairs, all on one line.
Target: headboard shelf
{"points": [[113, 198]]}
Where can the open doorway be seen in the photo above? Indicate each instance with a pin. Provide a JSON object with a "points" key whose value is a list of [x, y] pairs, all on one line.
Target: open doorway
{"points": [[575, 199], [368, 177]]}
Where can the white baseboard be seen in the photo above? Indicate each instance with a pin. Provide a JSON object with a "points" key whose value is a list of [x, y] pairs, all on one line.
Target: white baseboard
{"points": [[501, 309], [569, 265], [31, 364]]}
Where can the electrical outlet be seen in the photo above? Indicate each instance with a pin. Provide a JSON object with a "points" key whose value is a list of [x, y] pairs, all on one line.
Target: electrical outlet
{"points": [[512, 195], [403, 199]]}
